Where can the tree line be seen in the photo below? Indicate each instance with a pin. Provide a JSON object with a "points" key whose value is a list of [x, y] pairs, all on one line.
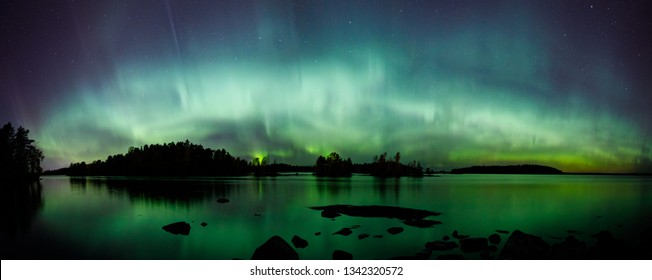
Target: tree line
{"points": [[171, 159], [19, 157], [382, 166]]}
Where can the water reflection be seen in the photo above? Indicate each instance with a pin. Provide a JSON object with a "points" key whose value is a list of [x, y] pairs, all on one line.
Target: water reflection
{"points": [[333, 187], [178, 192], [21, 203]]}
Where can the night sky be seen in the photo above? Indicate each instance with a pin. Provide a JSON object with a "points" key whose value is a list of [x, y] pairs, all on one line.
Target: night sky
{"points": [[450, 83]]}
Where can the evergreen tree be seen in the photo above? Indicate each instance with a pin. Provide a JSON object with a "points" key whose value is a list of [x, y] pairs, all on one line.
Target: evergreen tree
{"points": [[19, 158]]}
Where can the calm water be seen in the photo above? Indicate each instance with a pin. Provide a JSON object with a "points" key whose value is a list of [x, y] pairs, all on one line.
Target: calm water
{"points": [[99, 218]]}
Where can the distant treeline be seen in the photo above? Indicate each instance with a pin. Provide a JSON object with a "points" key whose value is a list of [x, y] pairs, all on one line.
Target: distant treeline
{"points": [[509, 169], [19, 157], [188, 159], [173, 159]]}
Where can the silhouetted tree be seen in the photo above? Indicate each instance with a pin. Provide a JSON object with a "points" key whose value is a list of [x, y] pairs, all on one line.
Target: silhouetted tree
{"points": [[333, 166], [19, 158]]}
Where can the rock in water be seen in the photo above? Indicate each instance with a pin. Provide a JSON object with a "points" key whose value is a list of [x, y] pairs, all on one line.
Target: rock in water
{"points": [[275, 248], [441, 245], [494, 239], [344, 231], [318, 233], [222, 200], [569, 249], [395, 230], [473, 245], [523, 246], [203, 224], [362, 236], [299, 242], [421, 223], [329, 214], [182, 228], [342, 255]]}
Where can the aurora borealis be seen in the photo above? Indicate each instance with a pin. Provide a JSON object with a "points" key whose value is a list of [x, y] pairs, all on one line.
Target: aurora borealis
{"points": [[449, 83]]}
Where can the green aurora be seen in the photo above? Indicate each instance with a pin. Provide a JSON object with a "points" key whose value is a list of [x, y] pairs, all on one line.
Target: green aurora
{"points": [[448, 85]]}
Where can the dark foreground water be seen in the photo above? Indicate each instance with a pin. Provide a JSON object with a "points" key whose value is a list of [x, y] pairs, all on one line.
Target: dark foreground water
{"points": [[120, 218]]}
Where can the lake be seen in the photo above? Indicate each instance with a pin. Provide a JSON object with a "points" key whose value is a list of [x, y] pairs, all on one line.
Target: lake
{"points": [[122, 218]]}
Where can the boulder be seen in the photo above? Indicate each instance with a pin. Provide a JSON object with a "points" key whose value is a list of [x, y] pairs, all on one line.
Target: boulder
{"points": [[473, 245], [569, 249], [441, 245], [523, 246], [342, 255], [494, 239], [182, 228], [395, 230], [344, 231], [275, 248], [299, 242]]}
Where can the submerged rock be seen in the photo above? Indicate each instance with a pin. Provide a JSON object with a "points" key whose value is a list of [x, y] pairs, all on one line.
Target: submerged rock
{"points": [[378, 236], [502, 231], [395, 230], [473, 245], [441, 245], [344, 231], [329, 214], [275, 248], [421, 223], [362, 236], [342, 255], [445, 238], [222, 200], [204, 224], [318, 233], [523, 246], [375, 211], [182, 228], [299, 242]]}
